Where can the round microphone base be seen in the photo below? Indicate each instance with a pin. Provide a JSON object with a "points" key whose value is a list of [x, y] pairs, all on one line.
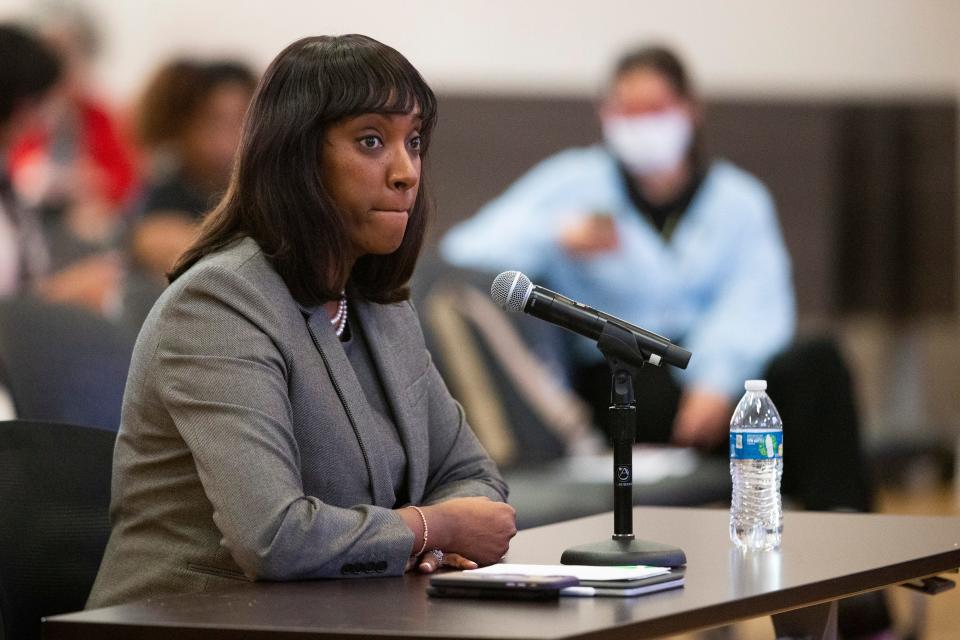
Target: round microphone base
{"points": [[618, 552]]}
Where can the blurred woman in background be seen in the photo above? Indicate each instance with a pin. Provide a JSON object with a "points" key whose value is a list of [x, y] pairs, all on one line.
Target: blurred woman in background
{"points": [[188, 124]]}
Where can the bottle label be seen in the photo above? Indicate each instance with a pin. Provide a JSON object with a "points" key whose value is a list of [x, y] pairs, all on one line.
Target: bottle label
{"points": [[756, 444]]}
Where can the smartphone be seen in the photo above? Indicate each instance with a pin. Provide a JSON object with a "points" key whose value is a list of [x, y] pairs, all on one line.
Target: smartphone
{"points": [[462, 584]]}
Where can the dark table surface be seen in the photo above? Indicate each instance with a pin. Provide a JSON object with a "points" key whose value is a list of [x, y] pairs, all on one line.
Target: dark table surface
{"points": [[825, 556]]}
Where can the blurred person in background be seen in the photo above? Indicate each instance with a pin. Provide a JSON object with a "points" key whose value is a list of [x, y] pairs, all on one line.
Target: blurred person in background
{"points": [[188, 124], [28, 74], [74, 169], [646, 228]]}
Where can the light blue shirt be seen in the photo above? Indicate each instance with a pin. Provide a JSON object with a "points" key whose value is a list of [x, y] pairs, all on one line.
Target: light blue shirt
{"points": [[721, 285]]}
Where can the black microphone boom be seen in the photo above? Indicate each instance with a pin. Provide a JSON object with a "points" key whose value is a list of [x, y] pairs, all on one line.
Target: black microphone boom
{"points": [[513, 291], [626, 348]]}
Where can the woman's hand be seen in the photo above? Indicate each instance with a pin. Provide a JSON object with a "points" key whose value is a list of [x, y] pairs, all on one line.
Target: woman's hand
{"points": [[434, 559], [475, 530]]}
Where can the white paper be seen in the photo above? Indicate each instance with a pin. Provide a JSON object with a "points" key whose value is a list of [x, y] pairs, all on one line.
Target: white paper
{"points": [[583, 572]]}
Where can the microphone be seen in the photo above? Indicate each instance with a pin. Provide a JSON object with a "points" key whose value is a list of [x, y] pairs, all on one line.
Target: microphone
{"points": [[513, 291]]}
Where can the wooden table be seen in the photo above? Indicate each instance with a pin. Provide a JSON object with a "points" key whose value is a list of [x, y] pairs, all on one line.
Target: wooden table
{"points": [[825, 557]]}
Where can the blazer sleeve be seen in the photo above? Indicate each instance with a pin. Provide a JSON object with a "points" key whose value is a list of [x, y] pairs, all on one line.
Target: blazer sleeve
{"points": [[221, 378], [459, 465]]}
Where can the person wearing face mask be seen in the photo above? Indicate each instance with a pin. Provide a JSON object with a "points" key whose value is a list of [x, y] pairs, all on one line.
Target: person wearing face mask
{"points": [[646, 228], [643, 227]]}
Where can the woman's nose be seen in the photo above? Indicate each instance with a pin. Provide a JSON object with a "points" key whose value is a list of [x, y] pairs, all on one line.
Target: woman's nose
{"points": [[404, 171]]}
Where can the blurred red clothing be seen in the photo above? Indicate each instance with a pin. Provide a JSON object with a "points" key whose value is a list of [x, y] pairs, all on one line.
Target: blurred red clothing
{"points": [[97, 142]]}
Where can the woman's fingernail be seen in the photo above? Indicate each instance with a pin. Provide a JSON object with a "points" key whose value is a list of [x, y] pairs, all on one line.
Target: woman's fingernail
{"points": [[472, 564], [425, 567]]}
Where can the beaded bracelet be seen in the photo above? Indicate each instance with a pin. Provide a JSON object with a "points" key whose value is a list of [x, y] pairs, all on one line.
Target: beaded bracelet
{"points": [[426, 530]]}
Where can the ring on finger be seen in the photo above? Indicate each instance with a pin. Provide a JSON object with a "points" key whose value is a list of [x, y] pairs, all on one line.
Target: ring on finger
{"points": [[438, 555]]}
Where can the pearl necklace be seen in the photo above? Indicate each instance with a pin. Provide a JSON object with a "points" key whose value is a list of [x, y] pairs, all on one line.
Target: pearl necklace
{"points": [[339, 321]]}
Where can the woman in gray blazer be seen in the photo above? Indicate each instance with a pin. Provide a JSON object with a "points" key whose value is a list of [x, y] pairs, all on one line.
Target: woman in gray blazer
{"points": [[282, 417]]}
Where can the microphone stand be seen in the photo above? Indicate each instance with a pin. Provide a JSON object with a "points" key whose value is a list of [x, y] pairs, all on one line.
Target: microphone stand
{"points": [[624, 358]]}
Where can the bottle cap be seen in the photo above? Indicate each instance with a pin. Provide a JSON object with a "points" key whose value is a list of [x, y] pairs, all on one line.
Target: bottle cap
{"points": [[755, 385]]}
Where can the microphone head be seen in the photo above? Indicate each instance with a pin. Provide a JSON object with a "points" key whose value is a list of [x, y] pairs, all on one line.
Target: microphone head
{"points": [[510, 290]]}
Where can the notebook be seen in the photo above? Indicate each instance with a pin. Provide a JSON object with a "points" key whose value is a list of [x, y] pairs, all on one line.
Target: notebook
{"points": [[673, 579]]}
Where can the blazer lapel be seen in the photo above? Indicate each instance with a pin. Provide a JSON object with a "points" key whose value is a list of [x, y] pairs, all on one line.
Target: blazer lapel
{"points": [[351, 395], [386, 340]]}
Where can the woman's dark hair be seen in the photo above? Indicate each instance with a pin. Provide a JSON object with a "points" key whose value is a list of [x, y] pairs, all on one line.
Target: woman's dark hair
{"points": [[177, 90], [28, 69], [276, 195], [663, 61]]}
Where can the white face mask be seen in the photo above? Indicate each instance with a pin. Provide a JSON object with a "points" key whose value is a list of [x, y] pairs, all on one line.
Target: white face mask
{"points": [[649, 144]]}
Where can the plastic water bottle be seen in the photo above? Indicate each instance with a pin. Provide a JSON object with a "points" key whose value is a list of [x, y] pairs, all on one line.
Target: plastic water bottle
{"points": [[756, 466]]}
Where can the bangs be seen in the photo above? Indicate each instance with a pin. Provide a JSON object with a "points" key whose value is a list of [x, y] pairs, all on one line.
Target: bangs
{"points": [[361, 78], [275, 196]]}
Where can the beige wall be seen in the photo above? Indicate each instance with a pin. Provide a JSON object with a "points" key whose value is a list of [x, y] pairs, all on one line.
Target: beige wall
{"points": [[756, 46]]}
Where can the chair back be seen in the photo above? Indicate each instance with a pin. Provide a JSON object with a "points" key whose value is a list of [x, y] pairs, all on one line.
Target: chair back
{"points": [[54, 519], [63, 364], [498, 366]]}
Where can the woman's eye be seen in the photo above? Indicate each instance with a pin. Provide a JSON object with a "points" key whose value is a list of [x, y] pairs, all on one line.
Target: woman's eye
{"points": [[416, 143], [371, 142]]}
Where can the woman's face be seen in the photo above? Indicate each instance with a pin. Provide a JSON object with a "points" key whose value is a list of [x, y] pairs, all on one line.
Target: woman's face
{"points": [[371, 169]]}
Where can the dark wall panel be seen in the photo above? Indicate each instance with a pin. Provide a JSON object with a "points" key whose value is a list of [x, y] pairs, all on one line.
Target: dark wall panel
{"points": [[790, 147], [866, 191], [482, 144], [897, 211]]}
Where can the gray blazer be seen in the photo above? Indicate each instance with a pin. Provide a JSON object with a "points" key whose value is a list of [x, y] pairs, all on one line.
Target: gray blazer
{"points": [[242, 453]]}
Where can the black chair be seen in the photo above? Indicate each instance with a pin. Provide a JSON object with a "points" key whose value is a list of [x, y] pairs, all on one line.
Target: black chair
{"points": [[63, 364], [511, 404], [54, 522]]}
